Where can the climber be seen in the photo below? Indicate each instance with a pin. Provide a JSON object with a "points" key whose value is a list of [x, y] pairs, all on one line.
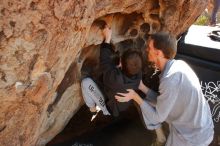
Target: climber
{"points": [[115, 80]]}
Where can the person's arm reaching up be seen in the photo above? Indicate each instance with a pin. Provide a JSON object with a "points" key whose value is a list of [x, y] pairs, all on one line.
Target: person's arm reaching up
{"points": [[107, 33]]}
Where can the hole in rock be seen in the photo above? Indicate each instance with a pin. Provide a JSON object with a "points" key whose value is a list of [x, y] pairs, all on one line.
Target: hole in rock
{"points": [[12, 23], [145, 27], [33, 5], [2, 36], [123, 22], [133, 32], [3, 11]]}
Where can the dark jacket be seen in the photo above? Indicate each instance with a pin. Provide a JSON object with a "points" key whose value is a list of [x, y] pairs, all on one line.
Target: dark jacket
{"points": [[114, 80]]}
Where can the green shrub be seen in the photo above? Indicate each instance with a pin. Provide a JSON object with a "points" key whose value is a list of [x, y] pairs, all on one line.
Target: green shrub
{"points": [[202, 20]]}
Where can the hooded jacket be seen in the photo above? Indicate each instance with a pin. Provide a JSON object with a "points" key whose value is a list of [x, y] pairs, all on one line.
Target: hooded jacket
{"points": [[115, 81]]}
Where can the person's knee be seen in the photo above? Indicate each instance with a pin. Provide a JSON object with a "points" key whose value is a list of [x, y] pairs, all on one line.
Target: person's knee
{"points": [[88, 85], [86, 81]]}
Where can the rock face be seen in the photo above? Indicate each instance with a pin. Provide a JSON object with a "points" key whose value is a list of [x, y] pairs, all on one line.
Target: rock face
{"points": [[43, 45]]}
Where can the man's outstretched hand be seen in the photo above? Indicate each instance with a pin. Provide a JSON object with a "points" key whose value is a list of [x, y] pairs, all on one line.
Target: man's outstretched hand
{"points": [[125, 97]]}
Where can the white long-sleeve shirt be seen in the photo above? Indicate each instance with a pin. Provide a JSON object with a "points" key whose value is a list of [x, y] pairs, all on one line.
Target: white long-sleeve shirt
{"points": [[182, 105]]}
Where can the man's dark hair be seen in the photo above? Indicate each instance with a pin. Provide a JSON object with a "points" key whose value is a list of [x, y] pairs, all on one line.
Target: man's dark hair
{"points": [[131, 61], [166, 43]]}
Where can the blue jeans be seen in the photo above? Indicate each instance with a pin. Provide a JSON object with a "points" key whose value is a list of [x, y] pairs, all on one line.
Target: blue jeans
{"points": [[215, 11]]}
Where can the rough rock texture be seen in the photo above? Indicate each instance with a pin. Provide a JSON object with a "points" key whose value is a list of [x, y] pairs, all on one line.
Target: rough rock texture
{"points": [[43, 44]]}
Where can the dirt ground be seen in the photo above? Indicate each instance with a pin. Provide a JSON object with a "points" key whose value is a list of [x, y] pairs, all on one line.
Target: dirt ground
{"points": [[127, 130]]}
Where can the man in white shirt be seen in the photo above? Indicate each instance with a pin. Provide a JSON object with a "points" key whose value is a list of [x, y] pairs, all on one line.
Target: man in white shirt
{"points": [[180, 101]]}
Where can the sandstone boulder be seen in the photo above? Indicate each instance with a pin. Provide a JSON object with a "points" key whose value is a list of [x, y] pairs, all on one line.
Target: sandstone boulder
{"points": [[43, 45]]}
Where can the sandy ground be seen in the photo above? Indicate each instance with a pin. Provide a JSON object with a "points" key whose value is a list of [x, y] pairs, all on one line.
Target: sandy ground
{"points": [[127, 130]]}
